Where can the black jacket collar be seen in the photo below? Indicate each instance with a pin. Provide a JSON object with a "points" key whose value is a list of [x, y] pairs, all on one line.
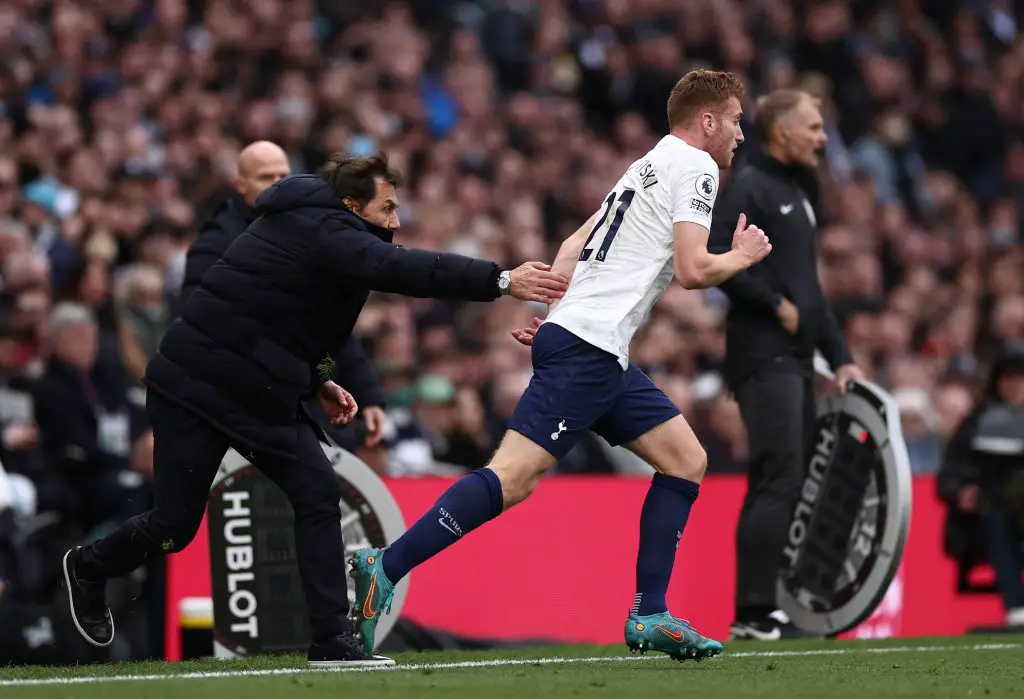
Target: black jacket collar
{"points": [[244, 210], [762, 161], [356, 221], [799, 175]]}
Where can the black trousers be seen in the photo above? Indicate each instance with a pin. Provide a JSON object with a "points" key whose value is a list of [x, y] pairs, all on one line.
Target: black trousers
{"points": [[187, 453], [779, 412]]}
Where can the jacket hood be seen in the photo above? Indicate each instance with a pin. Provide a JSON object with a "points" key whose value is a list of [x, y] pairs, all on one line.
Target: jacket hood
{"points": [[297, 191]]}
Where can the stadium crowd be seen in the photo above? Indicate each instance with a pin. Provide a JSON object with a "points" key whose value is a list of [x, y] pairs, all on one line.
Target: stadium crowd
{"points": [[121, 120]]}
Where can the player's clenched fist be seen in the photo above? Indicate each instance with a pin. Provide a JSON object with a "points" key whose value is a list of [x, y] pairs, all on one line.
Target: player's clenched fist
{"points": [[534, 281], [751, 241]]}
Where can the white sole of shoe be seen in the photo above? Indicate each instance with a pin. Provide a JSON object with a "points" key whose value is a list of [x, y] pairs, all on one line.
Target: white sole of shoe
{"points": [[74, 616], [378, 661], [742, 632]]}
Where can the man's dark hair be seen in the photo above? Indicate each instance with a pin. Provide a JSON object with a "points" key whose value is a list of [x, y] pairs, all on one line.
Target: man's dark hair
{"points": [[349, 176]]}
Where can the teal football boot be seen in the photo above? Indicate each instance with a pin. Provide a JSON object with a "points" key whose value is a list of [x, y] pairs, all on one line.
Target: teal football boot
{"points": [[373, 594], [675, 637]]}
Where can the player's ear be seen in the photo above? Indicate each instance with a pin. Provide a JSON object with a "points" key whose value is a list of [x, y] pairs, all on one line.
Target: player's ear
{"points": [[351, 204]]}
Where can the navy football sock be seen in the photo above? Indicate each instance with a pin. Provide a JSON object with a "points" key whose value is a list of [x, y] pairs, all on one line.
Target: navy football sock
{"points": [[472, 500], [662, 520]]}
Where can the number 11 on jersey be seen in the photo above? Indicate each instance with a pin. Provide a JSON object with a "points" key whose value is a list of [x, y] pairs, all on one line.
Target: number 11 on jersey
{"points": [[625, 199]]}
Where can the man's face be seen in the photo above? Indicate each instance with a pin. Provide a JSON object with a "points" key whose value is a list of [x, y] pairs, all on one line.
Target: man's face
{"points": [[252, 182], [78, 346], [1011, 388], [725, 134], [382, 210], [802, 134]]}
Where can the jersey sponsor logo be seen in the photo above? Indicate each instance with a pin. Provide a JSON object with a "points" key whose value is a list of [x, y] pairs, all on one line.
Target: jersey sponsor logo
{"points": [[785, 209], [705, 186], [701, 206]]}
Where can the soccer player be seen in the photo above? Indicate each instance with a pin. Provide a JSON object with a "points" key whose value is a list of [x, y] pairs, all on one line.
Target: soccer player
{"points": [[652, 226]]}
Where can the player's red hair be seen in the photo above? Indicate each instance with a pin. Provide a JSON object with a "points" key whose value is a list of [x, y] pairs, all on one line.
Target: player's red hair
{"points": [[701, 89]]}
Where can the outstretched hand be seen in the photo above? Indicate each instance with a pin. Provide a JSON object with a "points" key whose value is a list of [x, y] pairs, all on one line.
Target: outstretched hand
{"points": [[525, 336], [534, 281]]}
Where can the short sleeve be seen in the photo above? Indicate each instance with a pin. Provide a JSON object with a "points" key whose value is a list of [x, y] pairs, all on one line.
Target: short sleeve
{"points": [[694, 188]]}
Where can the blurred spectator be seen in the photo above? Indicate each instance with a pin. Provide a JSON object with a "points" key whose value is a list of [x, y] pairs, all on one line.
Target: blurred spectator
{"points": [[84, 419], [920, 429], [142, 316], [982, 479]]}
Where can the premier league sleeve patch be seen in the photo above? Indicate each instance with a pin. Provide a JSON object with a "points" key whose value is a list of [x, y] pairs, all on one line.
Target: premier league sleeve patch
{"points": [[705, 186]]}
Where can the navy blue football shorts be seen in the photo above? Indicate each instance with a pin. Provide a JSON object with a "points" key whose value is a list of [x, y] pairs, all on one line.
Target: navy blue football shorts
{"points": [[576, 387]]}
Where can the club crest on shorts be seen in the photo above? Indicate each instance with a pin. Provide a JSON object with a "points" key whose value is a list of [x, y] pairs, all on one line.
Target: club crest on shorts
{"points": [[845, 539], [561, 429]]}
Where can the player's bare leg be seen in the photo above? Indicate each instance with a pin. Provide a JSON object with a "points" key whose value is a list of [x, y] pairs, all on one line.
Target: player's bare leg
{"points": [[513, 473], [519, 464], [680, 461]]}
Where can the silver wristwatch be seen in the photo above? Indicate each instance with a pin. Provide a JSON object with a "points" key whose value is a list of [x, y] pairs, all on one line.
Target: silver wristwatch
{"points": [[504, 283]]}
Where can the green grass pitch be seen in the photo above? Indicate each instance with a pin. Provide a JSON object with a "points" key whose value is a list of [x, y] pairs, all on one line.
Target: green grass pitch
{"points": [[962, 667]]}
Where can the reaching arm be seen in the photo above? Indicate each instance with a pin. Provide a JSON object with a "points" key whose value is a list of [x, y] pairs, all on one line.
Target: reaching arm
{"points": [[380, 266], [569, 253], [374, 264], [696, 268]]}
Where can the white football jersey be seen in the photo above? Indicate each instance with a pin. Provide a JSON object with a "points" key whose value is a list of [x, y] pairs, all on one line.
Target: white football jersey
{"points": [[626, 262]]}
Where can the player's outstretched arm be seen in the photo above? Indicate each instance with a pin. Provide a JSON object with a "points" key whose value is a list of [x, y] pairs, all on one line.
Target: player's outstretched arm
{"points": [[569, 254], [696, 268]]}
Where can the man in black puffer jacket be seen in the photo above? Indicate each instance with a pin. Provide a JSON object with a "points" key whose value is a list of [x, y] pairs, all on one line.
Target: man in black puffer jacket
{"points": [[252, 341], [260, 165]]}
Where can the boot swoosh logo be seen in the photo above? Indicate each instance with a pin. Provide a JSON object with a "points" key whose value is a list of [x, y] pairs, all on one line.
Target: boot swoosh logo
{"points": [[368, 611], [674, 635]]}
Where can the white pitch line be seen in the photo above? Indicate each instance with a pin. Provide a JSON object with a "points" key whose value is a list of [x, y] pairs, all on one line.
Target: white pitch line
{"points": [[497, 662]]}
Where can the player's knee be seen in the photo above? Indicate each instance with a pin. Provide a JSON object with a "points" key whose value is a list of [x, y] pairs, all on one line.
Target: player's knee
{"points": [[514, 482], [518, 480], [691, 463]]}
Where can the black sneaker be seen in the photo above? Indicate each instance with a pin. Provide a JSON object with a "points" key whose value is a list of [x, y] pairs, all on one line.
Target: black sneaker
{"points": [[344, 650], [774, 627], [88, 604]]}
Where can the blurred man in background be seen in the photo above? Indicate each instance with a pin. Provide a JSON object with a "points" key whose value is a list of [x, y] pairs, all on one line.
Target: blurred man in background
{"points": [[778, 317], [81, 406], [982, 479], [260, 165]]}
